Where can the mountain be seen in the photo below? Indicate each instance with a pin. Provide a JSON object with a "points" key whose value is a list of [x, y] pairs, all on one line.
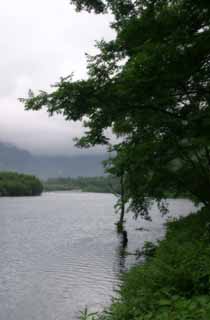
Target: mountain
{"points": [[15, 159]]}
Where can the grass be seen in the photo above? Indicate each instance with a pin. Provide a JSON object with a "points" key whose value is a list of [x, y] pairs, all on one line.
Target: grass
{"points": [[174, 281]]}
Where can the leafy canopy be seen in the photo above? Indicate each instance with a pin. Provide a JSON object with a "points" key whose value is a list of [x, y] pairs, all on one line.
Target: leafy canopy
{"points": [[151, 85]]}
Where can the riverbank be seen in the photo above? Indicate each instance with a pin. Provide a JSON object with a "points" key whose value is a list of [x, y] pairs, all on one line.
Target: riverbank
{"points": [[174, 281], [13, 184], [103, 184]]}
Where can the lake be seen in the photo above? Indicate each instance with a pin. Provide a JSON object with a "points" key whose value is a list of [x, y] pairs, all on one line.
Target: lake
{"points": [[60, 252]]}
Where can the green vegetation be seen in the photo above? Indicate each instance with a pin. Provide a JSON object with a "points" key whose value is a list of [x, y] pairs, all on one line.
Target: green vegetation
{"points": [[150, 85], [15, 184], [174, 281], [105, 184]]}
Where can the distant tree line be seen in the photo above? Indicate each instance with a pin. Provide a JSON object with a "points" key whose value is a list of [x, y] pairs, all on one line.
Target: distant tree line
{"points": [[15, 184], [107, 184]]}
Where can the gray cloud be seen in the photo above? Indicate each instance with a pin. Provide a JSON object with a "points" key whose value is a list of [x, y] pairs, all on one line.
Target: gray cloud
{"points": [[41, 41]]}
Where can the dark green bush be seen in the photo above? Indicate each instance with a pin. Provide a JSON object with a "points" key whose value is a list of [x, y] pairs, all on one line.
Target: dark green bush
{"points": [[15, 184], [174, 283]]}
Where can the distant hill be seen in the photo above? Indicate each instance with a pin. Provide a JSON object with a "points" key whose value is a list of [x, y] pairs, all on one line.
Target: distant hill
{"points": [[15, 159]]}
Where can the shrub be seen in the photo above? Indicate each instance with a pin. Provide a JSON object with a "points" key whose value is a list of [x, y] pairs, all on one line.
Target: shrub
{"points": [[14, 184], [174, 283]]}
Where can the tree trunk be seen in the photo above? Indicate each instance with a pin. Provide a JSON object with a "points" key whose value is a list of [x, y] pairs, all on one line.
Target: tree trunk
{"points": [[122, 200]]}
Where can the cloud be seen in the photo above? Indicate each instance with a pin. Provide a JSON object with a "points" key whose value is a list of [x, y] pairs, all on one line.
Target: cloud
{"points": [[41, 41]]}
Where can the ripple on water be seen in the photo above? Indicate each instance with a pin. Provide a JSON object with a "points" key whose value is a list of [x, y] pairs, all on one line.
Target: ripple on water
{"points": [[60, 252]]}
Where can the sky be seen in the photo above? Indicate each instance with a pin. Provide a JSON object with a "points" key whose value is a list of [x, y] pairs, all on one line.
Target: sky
{"points": [[41, 41]]}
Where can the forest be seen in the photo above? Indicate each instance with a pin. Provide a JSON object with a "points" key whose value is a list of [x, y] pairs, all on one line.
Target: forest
{"points": [[106, 184], [15, 184]]}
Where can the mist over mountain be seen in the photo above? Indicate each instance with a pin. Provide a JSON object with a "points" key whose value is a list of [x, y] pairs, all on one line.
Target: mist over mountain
{"points": [[15, 159]]}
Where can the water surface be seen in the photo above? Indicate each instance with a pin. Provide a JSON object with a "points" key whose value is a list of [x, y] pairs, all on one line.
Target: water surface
{"points": [[60, 252]]}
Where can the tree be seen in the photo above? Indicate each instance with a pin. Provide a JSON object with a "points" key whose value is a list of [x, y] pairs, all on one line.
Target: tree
{"points": [[15, 184], [151, 85], [116, 167]]}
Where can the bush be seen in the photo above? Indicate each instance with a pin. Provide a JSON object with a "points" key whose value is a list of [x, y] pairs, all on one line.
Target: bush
{"points": [[14, 184], [173, 283]]}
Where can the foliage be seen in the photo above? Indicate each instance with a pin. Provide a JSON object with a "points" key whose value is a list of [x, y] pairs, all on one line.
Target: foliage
{"points": [[106, 184], [14, 184], [174, 282], [85, 315], [151, 86], [148, 251]]}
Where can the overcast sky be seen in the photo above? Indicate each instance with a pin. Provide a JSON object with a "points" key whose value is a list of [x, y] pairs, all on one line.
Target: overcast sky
{"points": [[40, 41]]}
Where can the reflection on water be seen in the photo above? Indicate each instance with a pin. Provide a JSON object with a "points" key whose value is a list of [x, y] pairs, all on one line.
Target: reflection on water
{"points": [[60, 252], [121, 255], [122, 246]]}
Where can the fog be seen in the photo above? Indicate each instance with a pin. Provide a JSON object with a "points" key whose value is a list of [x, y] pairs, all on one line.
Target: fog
{"points": [[41, 41]]}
